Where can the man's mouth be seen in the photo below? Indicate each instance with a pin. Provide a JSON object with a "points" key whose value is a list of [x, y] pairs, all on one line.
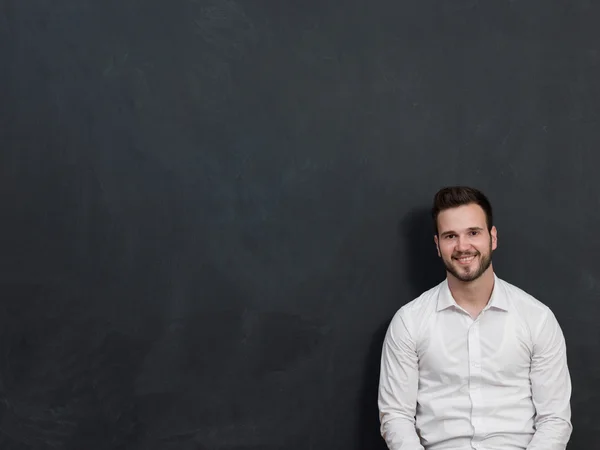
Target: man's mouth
{"points": [[464, 260]]}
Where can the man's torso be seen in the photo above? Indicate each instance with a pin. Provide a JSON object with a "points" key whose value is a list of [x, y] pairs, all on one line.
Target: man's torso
{"points": [[474, 386]]}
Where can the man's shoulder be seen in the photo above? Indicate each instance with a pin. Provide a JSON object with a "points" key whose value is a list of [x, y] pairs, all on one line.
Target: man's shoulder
{"points": [[420, 306], [522, 299], [409, 318], [537, 316]]}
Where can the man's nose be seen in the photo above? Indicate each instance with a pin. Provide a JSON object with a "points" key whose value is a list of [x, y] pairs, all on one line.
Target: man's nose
{"points": [[462, 244]]}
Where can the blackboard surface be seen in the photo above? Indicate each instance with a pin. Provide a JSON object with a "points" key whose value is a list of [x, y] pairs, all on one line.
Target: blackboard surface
{"points": [[212, 209]]}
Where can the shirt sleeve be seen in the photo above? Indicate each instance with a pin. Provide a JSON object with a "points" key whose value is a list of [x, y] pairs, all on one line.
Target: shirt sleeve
{"points": [[398, 385], [551, 387]]}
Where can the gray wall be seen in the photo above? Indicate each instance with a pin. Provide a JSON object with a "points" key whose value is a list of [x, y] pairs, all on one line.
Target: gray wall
{"points": [[212, 209]]}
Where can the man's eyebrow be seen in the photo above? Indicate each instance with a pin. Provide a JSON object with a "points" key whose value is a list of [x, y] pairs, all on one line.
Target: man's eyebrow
{"points": [[445, 233]]}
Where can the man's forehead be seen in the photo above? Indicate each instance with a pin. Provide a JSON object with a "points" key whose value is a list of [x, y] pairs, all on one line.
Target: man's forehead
{"points": [[462, 217]]}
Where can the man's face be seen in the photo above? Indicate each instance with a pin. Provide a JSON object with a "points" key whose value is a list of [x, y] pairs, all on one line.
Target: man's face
{"points": [[464, 243]]}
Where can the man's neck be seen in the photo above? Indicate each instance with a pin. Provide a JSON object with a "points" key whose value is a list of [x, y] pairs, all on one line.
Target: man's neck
{"points": [[472, 296]]}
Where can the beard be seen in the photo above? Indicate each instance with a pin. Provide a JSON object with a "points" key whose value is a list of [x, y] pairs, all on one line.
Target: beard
{"points": [[467, 274]]}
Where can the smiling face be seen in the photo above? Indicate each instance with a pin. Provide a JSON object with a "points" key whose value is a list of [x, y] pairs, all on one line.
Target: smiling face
{"points": [[464, 242]]}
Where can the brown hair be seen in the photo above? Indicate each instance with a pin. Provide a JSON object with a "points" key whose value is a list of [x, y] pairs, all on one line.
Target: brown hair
{"points": [[453, 196]]}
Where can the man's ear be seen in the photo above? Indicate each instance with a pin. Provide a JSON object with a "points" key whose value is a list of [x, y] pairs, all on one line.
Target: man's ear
{"points": [[437, 245], [494, 233]]}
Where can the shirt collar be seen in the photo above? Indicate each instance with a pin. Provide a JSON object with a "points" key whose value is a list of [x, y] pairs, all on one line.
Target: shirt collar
{"points": [[497, 300]]}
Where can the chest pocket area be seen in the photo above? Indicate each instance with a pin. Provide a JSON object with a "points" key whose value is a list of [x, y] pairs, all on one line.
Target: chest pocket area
{"points": [[505, 348]]}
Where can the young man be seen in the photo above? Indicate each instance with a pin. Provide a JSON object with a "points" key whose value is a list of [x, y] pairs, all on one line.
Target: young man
{"points": [[474, 362]]}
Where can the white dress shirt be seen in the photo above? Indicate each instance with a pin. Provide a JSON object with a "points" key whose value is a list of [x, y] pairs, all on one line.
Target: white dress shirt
{"points": [[497, 382]]}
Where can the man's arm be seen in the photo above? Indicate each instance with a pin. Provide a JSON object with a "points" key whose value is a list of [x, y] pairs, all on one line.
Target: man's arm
{"points": [[551, 387], [398, 384]]}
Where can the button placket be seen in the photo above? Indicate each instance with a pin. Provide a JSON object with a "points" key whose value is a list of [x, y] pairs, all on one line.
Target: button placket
{"points": [[475, 375]]}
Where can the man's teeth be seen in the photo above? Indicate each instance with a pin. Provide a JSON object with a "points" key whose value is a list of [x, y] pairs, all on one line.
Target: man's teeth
{"points": [[466, 259]]}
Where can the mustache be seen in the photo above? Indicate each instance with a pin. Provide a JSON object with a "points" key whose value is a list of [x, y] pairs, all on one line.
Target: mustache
{"points": [[463, 254]]}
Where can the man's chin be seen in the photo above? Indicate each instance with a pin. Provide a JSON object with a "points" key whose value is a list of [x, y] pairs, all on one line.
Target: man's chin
{"points": [[466, 278], [465, 273]]}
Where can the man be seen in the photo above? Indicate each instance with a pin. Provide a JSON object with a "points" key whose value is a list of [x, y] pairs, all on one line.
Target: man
{"points": [[474, 362]]}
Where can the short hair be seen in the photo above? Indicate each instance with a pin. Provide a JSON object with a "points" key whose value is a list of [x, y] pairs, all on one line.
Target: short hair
{"points": [[454, 196]]}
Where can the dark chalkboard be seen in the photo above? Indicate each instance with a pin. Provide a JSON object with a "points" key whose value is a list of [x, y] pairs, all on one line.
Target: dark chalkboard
{"points": [[211, 209]]}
